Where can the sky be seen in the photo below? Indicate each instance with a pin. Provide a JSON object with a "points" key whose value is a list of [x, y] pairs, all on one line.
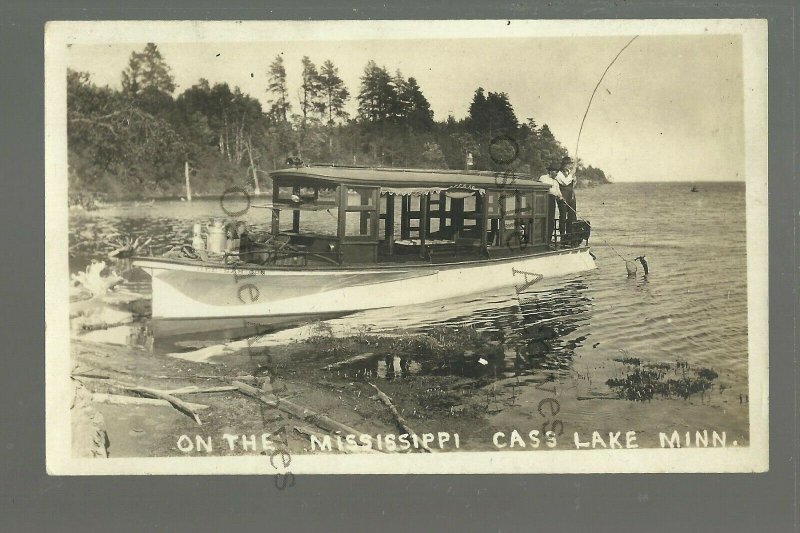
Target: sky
{"points": [[669, 109]]}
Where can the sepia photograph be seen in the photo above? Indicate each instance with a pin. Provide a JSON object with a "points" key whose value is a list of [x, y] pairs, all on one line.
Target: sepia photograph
{"points": [[505, 246]]}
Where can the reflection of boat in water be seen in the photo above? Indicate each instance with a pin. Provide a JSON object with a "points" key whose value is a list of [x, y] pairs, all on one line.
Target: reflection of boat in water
{"points": [[459, 233], [540, 330]]}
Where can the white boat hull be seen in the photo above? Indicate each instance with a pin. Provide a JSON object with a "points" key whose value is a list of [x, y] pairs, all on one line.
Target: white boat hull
{"points": [[197, 290]]}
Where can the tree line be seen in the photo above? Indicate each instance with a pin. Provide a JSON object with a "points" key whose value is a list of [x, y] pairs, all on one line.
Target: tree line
{"points": [[133, 142]]}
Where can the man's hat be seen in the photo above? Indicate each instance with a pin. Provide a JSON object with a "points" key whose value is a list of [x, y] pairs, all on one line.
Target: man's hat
{"points": [[566, 159]]}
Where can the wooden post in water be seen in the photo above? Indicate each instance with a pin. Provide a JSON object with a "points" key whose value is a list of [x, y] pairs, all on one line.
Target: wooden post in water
{"points": [[257, 189], [188, 184]]}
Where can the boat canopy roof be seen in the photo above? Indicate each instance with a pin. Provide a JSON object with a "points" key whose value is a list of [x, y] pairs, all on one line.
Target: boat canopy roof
{"points": [[413, 181]]}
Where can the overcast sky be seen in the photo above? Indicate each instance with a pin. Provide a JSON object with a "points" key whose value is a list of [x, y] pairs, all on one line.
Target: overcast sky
{"points": [[670, 108]]}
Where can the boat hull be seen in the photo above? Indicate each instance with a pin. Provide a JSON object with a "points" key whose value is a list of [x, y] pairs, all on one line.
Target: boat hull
{"points": [[197, 290]]}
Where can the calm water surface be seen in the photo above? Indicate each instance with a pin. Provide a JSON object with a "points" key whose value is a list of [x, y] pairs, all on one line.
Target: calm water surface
{"points": [[692, 307]]}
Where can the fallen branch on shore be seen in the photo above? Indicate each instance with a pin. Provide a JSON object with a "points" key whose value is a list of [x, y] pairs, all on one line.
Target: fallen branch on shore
{"points": [[119, 399], [598, 398], [349, 361], [192, 389], [180, 405], [303, 413], [401, 422]]}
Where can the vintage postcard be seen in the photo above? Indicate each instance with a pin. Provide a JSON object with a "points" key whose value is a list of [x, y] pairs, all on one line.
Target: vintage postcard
{"points": [[497, 246]]}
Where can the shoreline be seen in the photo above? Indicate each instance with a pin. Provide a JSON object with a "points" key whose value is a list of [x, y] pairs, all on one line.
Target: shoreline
{"points": [[510, 412]]}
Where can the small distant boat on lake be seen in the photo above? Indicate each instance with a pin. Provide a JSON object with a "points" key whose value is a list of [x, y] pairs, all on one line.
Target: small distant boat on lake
{"points": [[694, 189], [395, 237]]}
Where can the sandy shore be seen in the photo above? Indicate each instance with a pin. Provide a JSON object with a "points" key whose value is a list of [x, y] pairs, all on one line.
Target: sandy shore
{"points": [[443, 397]]}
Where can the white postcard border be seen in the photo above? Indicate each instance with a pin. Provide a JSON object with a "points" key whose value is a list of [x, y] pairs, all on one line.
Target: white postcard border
{"points": [[753, 458]]}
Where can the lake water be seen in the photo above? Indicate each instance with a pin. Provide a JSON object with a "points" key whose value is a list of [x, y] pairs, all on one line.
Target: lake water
{"points": [[691, 308]]}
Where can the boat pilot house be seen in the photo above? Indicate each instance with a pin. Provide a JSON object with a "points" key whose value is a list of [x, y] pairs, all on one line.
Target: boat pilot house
{"points": [[344, 215]]}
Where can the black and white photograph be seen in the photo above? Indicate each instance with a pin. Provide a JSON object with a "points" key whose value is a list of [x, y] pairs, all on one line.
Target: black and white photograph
{"points": [[505, 246]]}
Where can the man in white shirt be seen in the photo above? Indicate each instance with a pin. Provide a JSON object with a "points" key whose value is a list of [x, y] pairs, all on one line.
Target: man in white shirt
{"points": [[566, 182], [554, 192]]}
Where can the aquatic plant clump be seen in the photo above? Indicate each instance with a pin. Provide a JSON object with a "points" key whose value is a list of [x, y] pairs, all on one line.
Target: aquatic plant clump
{"points": [[645, 382], [634, 361]]}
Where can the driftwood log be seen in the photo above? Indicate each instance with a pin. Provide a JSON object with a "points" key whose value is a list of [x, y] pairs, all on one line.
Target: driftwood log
{"points": [[180, 405], [349, 361], [192, 389], [297, 411], [598, 398], [401, 422], [120, 399]]}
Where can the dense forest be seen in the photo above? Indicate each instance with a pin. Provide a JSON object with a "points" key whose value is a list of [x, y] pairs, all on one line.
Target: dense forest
{"points": [[135, 142]]}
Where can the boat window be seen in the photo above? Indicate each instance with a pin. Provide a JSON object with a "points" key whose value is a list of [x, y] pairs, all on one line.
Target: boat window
{"points": [[306, 209], [540, 206], [359, 218], [360, 224], [434, 225], [469, 204], [360, 196], [509, 203], [493, 204], [525, 205], [321, 223], [540, 214]]}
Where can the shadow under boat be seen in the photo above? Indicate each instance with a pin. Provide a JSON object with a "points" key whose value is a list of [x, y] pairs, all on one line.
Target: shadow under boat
{"points": [[171, 332]]}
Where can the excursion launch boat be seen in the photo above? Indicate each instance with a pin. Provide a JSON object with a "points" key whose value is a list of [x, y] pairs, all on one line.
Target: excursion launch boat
{"points": [[367, 238]]}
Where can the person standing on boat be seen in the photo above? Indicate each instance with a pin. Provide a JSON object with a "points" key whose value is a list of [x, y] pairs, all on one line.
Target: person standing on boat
{"points": [[554, 194], [566, 183]]}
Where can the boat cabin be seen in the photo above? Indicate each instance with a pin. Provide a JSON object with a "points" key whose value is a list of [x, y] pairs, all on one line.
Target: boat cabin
{"points": [[345, 215]]}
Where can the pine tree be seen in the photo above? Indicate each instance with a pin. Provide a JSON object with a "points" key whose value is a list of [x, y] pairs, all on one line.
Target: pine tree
{"points": [[478, 112], [401, 104], [502, 118], [417, 111], [277, 87], [492, 114], [147, 69], [310, 90], [546, 135], [334, 93], [377, 95]]}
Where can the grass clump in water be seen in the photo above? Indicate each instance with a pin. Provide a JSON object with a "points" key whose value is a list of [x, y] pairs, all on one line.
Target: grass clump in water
{"points": [[653, 379], [632, 361]]}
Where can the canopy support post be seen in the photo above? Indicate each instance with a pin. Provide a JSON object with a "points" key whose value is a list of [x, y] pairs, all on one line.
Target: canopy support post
{"points": [[423, 222], [276, 214], [296, 213], [389, 227], [405, 207], [480, 207]]}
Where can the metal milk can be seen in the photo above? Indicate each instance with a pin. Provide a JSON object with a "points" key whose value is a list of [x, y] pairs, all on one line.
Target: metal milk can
{"points": [[216, 236], [197, 237]]}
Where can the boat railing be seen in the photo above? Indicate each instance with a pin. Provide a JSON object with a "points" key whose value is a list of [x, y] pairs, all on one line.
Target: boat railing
{"points": [[283, 257]]}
